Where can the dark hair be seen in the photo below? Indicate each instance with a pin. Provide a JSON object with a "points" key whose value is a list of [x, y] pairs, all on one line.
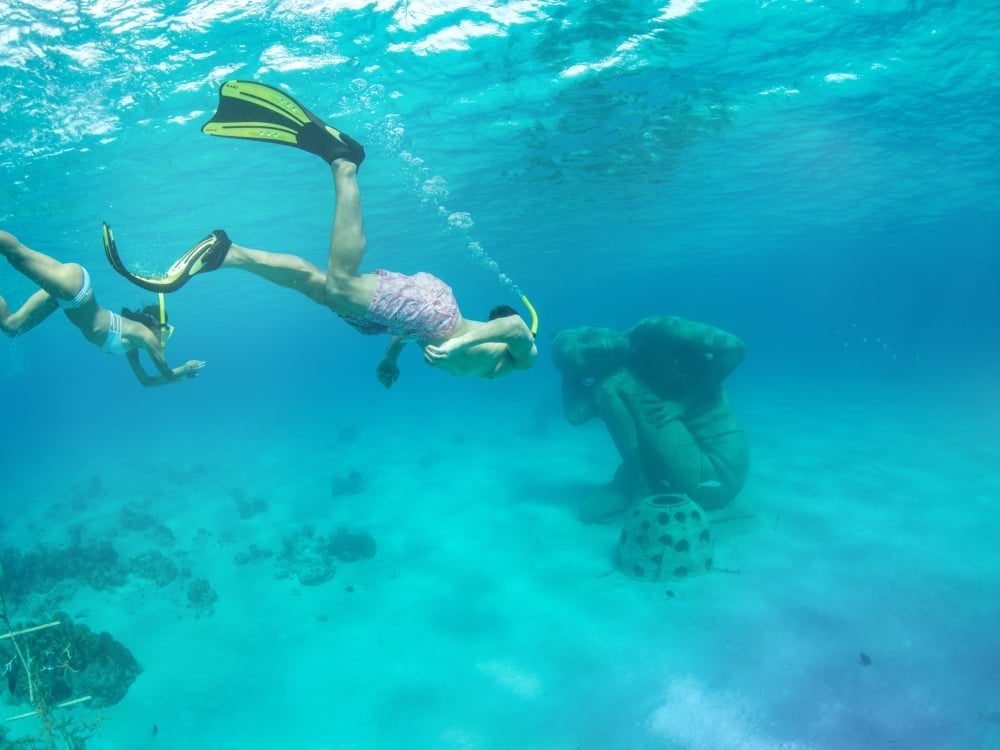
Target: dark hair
{"points": [[149, 316], [502, 311]]}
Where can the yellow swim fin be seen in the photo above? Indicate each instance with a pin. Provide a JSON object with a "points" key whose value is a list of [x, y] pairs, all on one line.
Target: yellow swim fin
{"points": [[258, 112], [206, 255]]}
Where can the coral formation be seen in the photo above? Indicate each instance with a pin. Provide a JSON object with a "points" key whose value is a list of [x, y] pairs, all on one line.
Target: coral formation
{"points": [[252, 554], [202, 597], [71, 661], [136, 519], [350, 546], [311, 557], [302, 555], [38, 570], [154, 566], [56, 664], [245, 506], [352, 483]]}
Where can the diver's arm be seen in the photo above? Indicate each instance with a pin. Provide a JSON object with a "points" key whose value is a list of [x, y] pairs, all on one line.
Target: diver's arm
{"points": [[37, 308], [387, 371], [167, 375], [514, 332], [511, 331]]}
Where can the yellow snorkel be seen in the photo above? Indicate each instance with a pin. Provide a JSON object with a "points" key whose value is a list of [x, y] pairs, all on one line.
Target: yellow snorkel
{"points": [[534, 315], [166, 330]]}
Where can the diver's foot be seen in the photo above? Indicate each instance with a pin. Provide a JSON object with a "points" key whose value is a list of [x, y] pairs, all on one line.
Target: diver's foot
{"points": [[210, 253], [331, 144], [343, 168]]}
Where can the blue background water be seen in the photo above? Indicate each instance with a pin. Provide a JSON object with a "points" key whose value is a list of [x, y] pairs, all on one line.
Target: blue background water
{"points": [[818, 178]]}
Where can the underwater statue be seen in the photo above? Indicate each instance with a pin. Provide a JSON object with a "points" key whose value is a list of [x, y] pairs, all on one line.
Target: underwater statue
{"points": [[658, 388]]}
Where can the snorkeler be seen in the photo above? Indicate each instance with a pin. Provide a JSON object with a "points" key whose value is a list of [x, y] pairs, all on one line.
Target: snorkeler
{"points": [[67, 285], [418, 308]]}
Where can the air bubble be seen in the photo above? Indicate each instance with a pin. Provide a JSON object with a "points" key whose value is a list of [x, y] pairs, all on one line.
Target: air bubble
{"points": [[461, 220]]}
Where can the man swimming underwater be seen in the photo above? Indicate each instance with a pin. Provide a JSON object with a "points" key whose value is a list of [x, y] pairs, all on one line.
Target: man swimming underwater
{"points": [[418, 308]]}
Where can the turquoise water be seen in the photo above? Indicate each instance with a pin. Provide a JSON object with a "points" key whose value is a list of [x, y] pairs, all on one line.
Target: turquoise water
{"points": [[818, 178]]}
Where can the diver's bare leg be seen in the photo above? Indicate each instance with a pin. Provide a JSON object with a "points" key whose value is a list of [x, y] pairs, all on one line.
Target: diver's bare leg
{"points": [[348, 292], [37, 308], [341, 288], [283, 269], [347, 242], [61, 280]]}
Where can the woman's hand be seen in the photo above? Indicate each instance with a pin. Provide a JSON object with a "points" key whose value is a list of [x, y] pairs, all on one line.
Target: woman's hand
{"points": [[191, 368]]}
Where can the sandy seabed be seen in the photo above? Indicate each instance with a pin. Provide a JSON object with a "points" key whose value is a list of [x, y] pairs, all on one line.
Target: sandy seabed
{"points": [[490, 617]]}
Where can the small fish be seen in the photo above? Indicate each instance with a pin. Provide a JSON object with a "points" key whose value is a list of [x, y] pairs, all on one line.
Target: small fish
{"points": [[710, 484], [864, 659], [156, 730]]}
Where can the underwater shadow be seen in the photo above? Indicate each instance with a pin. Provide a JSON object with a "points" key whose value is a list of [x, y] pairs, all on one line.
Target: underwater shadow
{"points": [[541, 491]]}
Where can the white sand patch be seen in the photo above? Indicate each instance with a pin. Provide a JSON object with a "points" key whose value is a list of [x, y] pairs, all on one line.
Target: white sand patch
{"points": [[511, 677], [703, 720]]}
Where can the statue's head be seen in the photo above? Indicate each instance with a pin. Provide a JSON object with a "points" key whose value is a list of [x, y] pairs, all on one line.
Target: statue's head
{"points": [[588, 352]]}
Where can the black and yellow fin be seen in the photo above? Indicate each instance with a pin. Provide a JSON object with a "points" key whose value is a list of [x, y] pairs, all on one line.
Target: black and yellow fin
{"points": [[206, 255], [258, 112]]}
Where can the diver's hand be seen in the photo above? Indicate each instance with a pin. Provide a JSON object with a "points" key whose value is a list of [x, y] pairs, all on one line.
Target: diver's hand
{"points": [[387, 372], [435, 354], [191, 368]]}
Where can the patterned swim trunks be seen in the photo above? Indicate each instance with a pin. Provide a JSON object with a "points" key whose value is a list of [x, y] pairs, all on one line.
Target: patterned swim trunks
{"points": [[421, 307]]}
